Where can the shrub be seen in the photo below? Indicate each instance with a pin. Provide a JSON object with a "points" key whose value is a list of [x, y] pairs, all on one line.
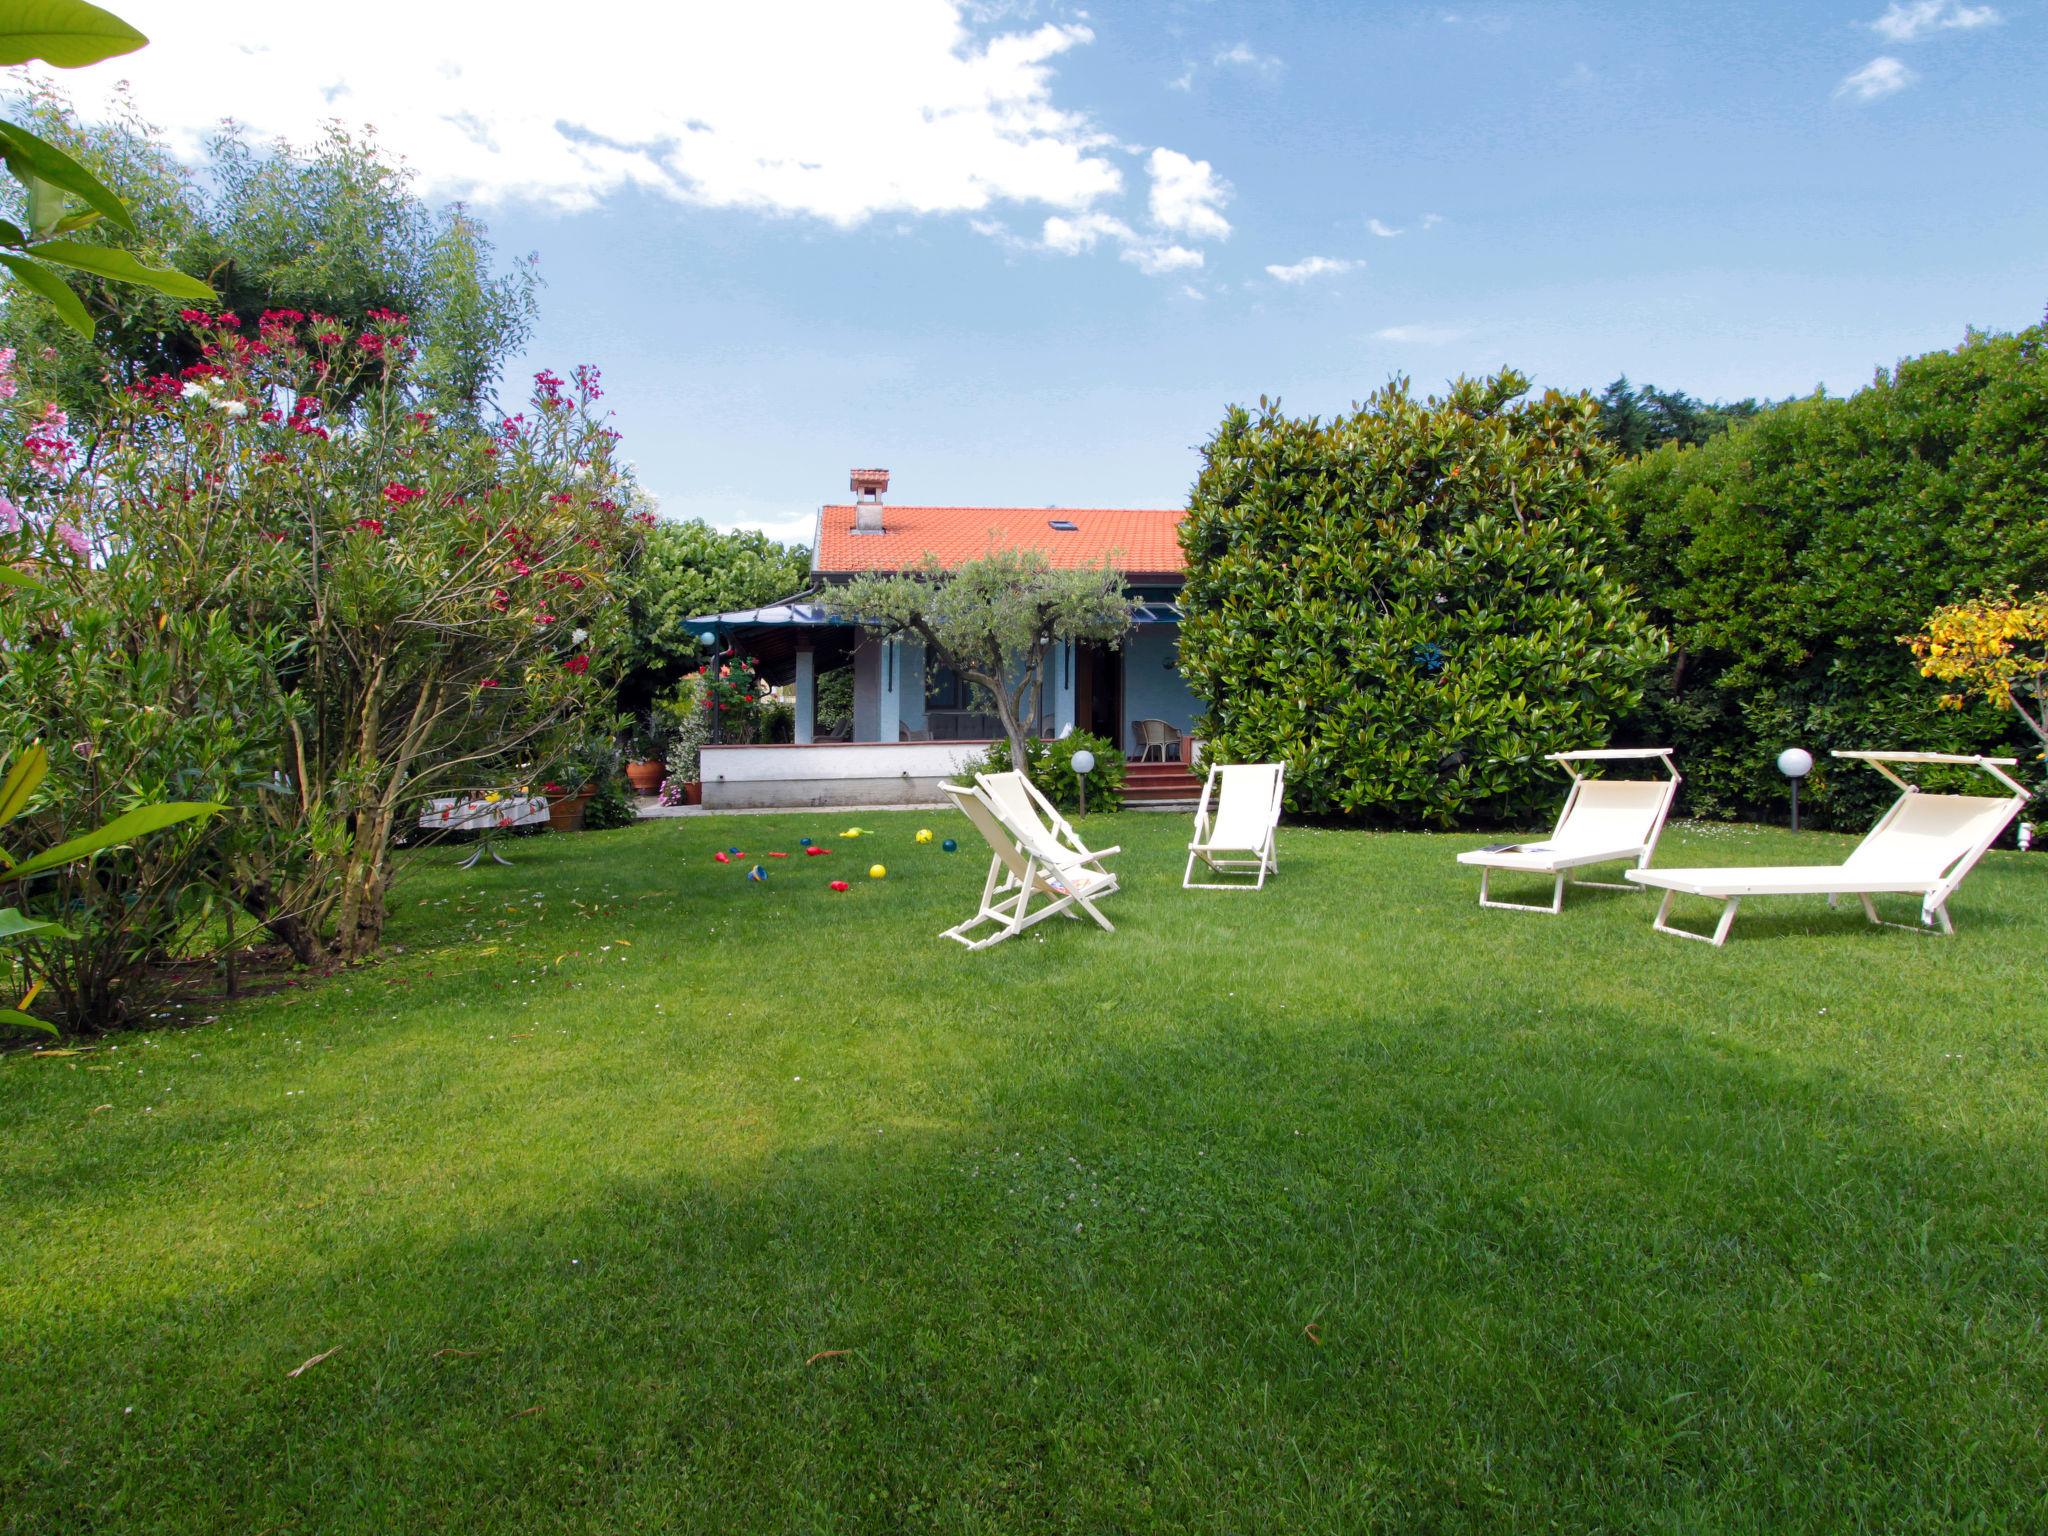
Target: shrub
{"points": [[1787, 557], [610, 806], [1050, 766], [1411, 603]]}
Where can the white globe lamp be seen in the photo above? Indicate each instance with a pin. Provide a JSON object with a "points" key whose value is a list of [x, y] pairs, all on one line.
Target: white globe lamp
{"points": [[1795, 763]]}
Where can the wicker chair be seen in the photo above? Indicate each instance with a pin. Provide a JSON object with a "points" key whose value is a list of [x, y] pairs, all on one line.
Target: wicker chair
{"points": [[1156, 733]]}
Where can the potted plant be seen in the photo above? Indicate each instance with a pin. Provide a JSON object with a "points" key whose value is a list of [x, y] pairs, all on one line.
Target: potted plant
{"points": [[645, 768], [582, 765]]}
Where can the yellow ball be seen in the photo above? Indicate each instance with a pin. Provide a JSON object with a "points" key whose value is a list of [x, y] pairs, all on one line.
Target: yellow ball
{"points": [[875, 871], [924, 834]]}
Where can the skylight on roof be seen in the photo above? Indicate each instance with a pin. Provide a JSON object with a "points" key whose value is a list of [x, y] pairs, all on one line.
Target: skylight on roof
{"points": [[1062, 525]]}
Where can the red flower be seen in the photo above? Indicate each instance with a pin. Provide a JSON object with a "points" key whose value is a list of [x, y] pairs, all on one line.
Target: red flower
{"points": [[553, 789], [577, 664], [487, 682], [397, 495], [369, 525]]}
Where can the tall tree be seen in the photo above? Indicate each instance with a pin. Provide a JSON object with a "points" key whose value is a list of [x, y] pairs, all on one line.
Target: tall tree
{"points": [[331, 227]]}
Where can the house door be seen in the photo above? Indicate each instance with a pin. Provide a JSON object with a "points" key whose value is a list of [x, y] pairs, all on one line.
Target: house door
{"points": [[1099, 692]]}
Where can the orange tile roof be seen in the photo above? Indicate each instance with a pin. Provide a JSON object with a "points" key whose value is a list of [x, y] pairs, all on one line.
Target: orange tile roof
{"points": [[1137, 540]]}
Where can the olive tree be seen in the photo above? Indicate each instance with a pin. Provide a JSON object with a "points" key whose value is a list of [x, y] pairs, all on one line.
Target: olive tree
{"points": [[992, 620]]}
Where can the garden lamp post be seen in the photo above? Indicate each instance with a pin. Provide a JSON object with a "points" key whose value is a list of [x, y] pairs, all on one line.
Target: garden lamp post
{"points": [[1795, 763], [1084, 764], [709, 640]]}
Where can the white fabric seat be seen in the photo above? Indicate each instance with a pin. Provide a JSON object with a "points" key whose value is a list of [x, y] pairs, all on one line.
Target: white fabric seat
{"points": [[1923, 846], [1604, 821], [1237, 836]]}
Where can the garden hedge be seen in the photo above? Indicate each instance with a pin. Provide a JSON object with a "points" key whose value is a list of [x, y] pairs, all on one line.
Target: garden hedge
{"points": [[1789, 556]]}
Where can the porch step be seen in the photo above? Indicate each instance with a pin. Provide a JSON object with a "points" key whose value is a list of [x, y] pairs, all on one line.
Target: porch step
{"points": [[1151, 784]]}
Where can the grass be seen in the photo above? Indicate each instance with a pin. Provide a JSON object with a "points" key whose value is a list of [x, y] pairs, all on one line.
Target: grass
{"points": [[632, 1197]]}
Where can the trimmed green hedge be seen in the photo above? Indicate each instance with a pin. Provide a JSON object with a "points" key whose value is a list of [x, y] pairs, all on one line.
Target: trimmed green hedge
{"points": [[1787, 557], [1411, 602]]}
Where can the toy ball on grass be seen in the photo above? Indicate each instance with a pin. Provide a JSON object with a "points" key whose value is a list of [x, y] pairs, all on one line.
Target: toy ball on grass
{"points": [[841, 885], [924, 834], [876, 871], [851, 832], [950, 846], [757, 873], [803, 842], [813, 850]]}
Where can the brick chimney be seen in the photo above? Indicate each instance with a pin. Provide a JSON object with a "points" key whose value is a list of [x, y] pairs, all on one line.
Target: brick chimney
{"points": [[867, 486]]}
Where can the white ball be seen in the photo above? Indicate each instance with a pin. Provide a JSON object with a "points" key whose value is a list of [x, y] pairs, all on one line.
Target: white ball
{"points": [[1084, 761], [1795, 762]]}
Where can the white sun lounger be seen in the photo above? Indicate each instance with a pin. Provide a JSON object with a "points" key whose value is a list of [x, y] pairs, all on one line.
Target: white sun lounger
{"points": [[1027, 863], [1604, 821], [1923, 846], [1237, 836]]}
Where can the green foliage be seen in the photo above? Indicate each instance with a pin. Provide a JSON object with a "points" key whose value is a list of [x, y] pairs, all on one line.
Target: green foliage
{"points": [[992, 620], [1409, 603], [19, 781], [610, 806], [1049, 764], [1787, 557], [333, 227], [688, 569], [1637, 418], [67, 33], [833, 705]]}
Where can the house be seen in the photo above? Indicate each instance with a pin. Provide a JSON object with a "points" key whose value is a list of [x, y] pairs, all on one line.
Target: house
{"points": [[914, 723]]}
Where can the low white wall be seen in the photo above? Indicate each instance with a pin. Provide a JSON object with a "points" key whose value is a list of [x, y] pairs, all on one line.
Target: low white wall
{"points": [[830, 773]]}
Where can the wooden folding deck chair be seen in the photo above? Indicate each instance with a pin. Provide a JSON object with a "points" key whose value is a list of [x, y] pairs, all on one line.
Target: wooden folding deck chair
{"points": [[1237, 836], [1027, 865]]}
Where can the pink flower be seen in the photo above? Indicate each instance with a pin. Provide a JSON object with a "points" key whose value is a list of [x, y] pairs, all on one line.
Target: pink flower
{"points": [[10, 515], [70, 537], [8, 387]]}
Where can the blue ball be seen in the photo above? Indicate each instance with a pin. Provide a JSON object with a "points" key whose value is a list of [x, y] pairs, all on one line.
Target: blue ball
{"points": [[803, 842], [950, 846]]}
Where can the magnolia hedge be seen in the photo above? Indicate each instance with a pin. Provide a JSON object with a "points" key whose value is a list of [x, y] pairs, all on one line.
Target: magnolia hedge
{"points": [[1409, 603]]}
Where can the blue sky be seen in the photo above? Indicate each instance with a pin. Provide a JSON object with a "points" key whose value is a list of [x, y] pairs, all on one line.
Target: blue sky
{"points": [[1028, 252]]}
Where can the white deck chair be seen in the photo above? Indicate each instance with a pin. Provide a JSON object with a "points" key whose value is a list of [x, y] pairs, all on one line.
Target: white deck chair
{"points": [[1923, 846], [1237, 837], [1604, 821], [1025, 865]]}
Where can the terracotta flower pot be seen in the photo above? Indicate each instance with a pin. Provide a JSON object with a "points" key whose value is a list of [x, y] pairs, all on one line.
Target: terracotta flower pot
{"points": [[565, 812], [693, 792], [646, 776]]}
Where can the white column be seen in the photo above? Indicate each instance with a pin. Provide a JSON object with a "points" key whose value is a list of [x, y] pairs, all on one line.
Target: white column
{"points": [[1062, 660], [806, 696], [889, 699]]}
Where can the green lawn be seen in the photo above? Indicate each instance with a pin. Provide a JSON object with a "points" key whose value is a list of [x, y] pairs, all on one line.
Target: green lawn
{"points": [[1344, 1206]]}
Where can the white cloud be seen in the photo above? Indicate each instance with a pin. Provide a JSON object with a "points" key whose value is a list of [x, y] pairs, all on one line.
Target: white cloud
{"points": [[1184, 81], [1422, 335], [1313, 266], [1879, 78], [1070, 237], [1155, 260], [1907, 21], [807, 107], [1383, 231], [1187, 195], [1243, 56], [1431, 220]]}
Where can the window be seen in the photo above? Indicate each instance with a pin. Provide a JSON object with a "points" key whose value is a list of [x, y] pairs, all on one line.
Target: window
{"points": [[1062, 525]]}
